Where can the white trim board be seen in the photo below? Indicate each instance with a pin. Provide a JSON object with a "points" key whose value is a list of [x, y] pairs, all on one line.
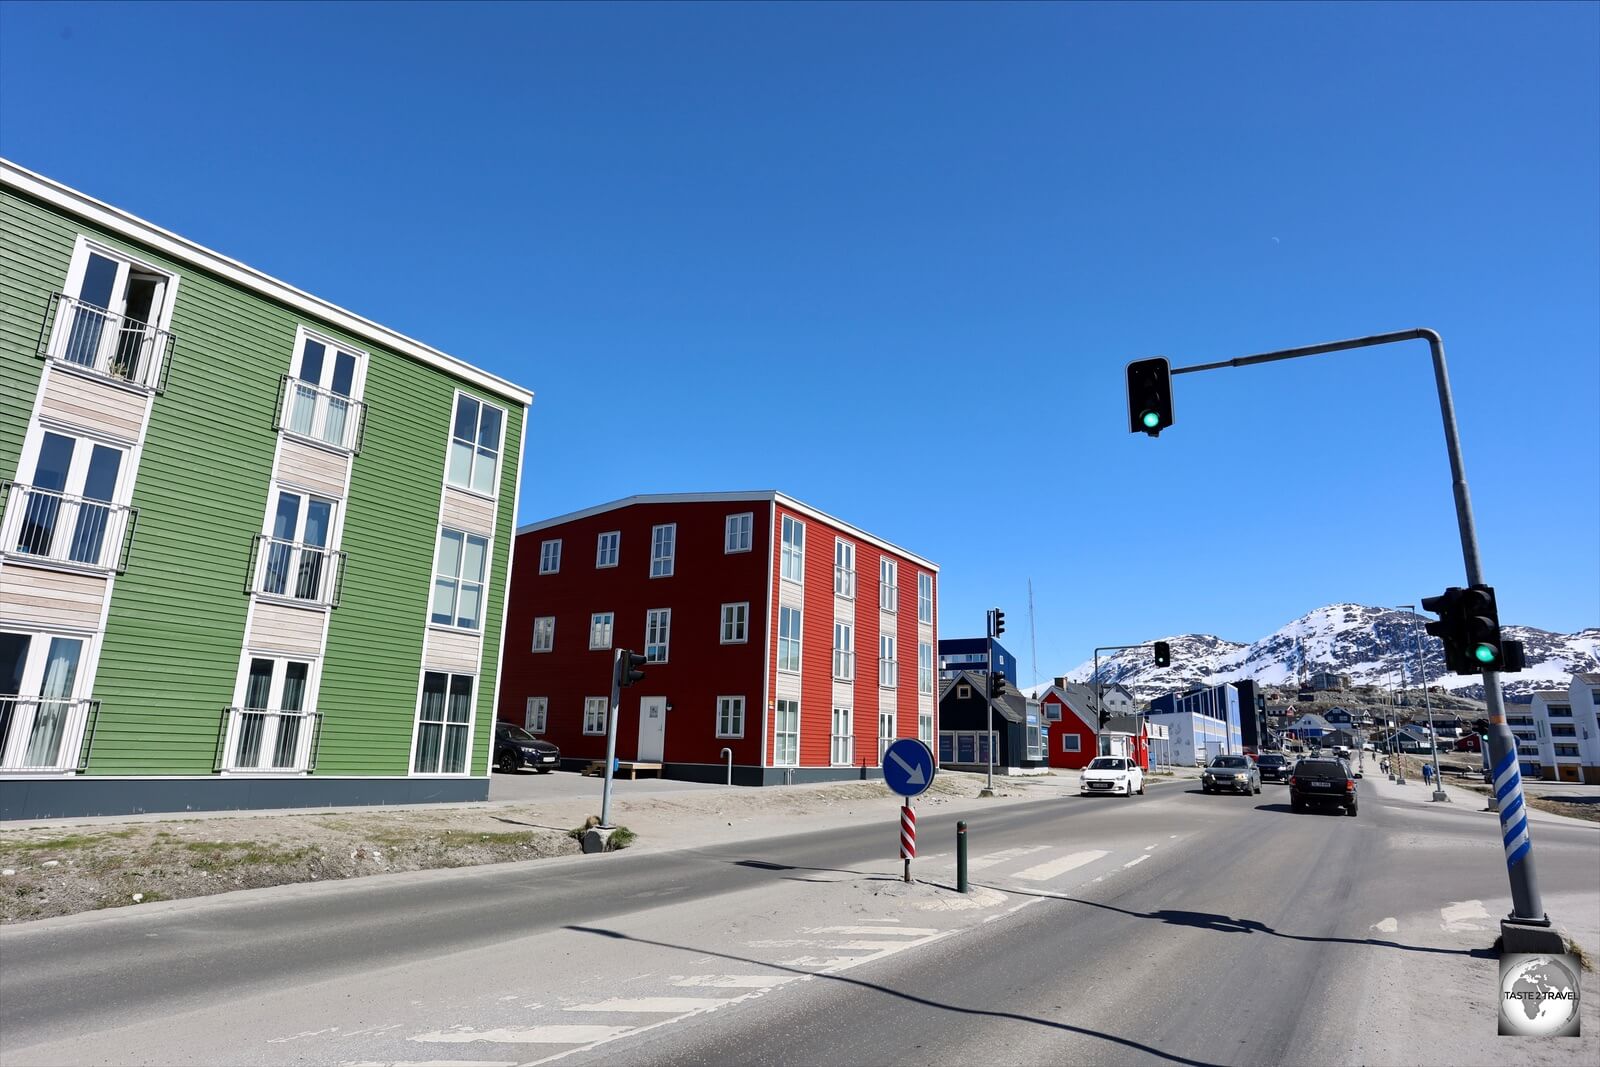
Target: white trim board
{"points": [[120, 222]]}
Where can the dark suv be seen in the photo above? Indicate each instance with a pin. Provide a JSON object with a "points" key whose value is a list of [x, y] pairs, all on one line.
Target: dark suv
{"points": [[1323, 782], [515, 748], [1274, 767]]}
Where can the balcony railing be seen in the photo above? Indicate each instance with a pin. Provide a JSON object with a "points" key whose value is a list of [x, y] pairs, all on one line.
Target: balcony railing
{"points": [[307, 574], [844, 665], [42, 525], [844, 582], [95, 341], [309, 411], [887, 670], [43, 735], [262, 739]]}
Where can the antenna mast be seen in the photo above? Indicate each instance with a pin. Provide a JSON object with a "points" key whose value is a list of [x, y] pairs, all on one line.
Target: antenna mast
{"points": [[1033, 638]]}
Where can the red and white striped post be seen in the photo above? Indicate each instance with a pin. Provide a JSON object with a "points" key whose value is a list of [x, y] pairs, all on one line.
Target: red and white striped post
{"points": [[908, 836]]}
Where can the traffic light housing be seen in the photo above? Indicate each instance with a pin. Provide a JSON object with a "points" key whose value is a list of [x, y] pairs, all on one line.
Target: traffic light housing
{"points": [[630, 668], [1469, 627], [1163, 654], [999, 622], [1149, 396], [997, 684]]}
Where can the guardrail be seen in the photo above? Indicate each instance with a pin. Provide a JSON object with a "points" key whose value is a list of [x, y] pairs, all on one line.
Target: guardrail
{"points": [[293, 571], [265, 739], [96, 341], [43, 525], [35, 732], [309, 411]]}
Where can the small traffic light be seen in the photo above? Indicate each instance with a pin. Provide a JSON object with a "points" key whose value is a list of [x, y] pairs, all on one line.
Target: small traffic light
{"points": [[1149, 396], [999, 622], [1469, 627], [1163, 654], [1448, 627], [997, 684], [630, 668]]}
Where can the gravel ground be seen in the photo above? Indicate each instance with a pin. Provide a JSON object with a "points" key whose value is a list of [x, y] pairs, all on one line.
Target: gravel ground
{"points": [[67, 867]]}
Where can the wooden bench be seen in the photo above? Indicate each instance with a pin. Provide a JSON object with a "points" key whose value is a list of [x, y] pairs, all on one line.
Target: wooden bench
{"points": [[625, 768]]}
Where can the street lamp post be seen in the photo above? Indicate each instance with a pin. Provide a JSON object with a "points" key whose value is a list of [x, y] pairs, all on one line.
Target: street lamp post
{"points": [[1433, 735]]}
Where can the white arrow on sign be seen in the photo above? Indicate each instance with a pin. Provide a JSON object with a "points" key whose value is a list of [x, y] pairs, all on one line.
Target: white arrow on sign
{"points": [[913, 774]]}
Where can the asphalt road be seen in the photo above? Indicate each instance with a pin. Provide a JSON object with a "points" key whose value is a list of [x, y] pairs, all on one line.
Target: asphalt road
{"points": [[1171, 928]]}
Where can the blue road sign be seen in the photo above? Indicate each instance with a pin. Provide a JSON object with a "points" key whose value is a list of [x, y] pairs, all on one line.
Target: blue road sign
{"points": [[908, 767]]}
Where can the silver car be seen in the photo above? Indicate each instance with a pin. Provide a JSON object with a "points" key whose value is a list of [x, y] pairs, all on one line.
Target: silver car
{"points": [[1232, 774]]}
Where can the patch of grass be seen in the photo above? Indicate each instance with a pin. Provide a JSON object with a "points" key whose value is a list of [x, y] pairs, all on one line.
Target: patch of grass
{"points": [[62, 844], [1584, 959], [467, 837], [215, 857], [620, 838]]}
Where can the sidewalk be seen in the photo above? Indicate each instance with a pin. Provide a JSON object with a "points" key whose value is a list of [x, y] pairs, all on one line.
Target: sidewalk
{"points": [[1461, 799]]}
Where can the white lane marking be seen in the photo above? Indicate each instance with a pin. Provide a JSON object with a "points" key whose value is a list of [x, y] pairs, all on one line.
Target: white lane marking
{"points": [[816, 962], [1388, 926], [429, 1063], [297, 1037], [783, 942], [663, 1005], [1136, 862], [531, 1035], [735, 981], [1003, 855], [1172, 837], [1147, 848], [1055, 868], [909, 931], [1455, 915]]}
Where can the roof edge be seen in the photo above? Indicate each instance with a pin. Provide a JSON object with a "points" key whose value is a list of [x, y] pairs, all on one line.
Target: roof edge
{"points": [[125, 224]]}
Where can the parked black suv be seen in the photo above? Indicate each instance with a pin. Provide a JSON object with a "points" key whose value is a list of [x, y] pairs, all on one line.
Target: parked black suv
{"points": [[515, 748], [1323, 781], [1273, 766]]}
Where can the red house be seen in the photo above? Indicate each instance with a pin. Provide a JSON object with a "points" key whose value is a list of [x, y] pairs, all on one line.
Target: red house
{"points": [[1073, 735], [776, 634]]}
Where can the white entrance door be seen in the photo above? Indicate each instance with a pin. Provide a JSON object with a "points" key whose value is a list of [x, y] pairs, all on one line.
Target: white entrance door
{"points": [[652, 729]]}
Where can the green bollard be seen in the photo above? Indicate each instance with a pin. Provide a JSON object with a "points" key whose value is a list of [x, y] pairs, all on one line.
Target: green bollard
{"points": [[961, 857]]}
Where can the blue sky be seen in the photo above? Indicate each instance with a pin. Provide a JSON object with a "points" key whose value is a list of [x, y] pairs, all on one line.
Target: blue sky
{"points": [[892, 260]]}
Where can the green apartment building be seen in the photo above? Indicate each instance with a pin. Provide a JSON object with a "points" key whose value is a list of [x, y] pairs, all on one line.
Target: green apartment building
{"points": [[254, 549]]}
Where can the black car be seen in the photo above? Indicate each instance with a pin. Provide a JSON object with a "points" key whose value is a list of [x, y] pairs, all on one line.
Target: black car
{"points": [[1233, 773], [1274, 767], [1323, 782], [515, 748]]}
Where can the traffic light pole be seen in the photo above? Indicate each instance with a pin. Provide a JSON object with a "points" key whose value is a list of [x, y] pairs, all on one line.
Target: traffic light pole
{"points": [[1439, 794], [1528, 928], [1099, 687]]}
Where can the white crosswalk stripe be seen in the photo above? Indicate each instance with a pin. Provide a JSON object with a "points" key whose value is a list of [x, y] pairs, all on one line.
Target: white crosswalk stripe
{"points": [[1004, 855], [531, 1035], [665, 1005], [1044, 872], [735, 981]]}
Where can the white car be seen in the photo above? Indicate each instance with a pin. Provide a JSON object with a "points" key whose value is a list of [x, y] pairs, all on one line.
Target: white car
{"points": [[1111, 774]]}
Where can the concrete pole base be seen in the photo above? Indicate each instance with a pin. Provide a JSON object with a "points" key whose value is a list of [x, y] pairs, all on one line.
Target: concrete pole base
{"points": [[985, 792], [596, 838], [1399, 779], [1530, 935], [1441, 796]]}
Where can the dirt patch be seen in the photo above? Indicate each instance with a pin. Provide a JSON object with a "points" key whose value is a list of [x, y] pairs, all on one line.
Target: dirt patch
{"points": [[53, 871]]}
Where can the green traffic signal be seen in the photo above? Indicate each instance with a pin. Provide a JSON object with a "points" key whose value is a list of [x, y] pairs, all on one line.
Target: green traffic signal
{"points": [[1150, 419], [1485, 653]]}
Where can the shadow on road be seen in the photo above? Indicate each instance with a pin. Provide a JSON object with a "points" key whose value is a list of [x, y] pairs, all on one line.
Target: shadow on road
{"points": [[768, 865], [910, 997], [1318, 809]]}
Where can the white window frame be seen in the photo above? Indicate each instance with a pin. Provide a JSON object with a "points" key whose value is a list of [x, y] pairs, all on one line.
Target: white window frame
{"points": [[66, 525], [320, 392], [657, 634], [445, 723], [730, 716], [791, 631], [26, 711], [536, 718], [459, 580], [607, 547], [82, 248], [925, 729], [738, 533], [888, 664], [735, 623], [888, 585], [887, 727], [924, 667], [842, 737], [595, 712], [663, 564], [844, 569], [328, 577], [550, 556], [925, 597], [601, 633], [844, 650], [496, 454], [781, 757], [1076, 744], [544, 625], [792, 560]]}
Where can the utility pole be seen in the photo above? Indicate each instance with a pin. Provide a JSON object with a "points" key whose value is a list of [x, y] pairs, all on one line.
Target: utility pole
{"points": [[1439, 794], [1528, 927]]}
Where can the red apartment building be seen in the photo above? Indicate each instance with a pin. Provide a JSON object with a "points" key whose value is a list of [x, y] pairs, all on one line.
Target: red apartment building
{"points": [[795, 641]]}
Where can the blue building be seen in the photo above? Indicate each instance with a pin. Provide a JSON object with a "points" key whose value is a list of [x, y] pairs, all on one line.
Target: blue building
{"points": [[957, 654], [1219, 702]]}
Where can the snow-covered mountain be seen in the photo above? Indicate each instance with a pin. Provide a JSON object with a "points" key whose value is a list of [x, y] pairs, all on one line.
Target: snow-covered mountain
{"points": [[1371, 645]]}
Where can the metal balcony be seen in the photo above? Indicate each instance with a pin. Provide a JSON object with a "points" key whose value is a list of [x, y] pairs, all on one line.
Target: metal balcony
{"points": [[294, 572], [95, 341], [72, 532], [310, 412], [43, 735], [264, 739]]}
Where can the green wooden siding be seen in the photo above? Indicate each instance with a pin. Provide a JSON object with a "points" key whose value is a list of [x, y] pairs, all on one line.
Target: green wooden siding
{"points": [[34, 257], [176, 626]]}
